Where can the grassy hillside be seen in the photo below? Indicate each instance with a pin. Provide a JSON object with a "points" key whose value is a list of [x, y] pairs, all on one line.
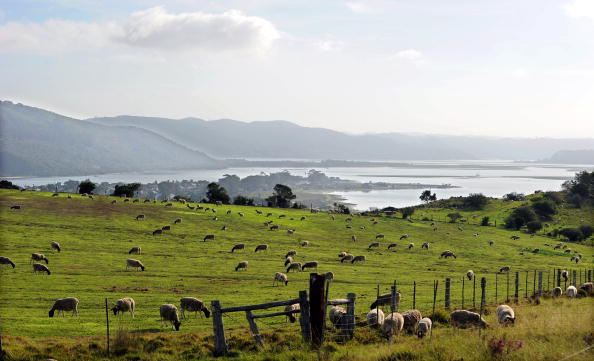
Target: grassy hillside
{"points": [[96, 235]]}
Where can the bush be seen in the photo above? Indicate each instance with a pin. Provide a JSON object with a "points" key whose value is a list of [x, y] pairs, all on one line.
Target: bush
{"points": [[243, 201], [520, 217], [4, 184], [553, 196], [454, 217], [545, 209], [513, 196], [475, 201], [485, 221], [127, 190], [534, 226], [572, 234], [586, 231], [216, 193], [407, 212], [86, 187]]}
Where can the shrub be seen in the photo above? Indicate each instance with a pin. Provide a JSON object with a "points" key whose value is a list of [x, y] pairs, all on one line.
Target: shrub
{"points": [[513, 196], [407, 212], [544, 208], [454, 217], [475, 201], [534, 226], [86, 187], [553, 196], [572, 234], [7, 184], [243, 201], [485, 221], [520, 217], [586, 231]]}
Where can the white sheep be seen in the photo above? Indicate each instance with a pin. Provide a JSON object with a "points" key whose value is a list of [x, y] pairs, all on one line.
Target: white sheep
{"points": [[169, 313], [38, 267], [193, 304], [505, 315], [375, 318], [424, 327], [134, 250], [55, 246], [470, 275], [65, 304], [134, 263], [393, 324], [122, 305], [335, 314], [571, 292], [294, 266], [280, 277], [293, 307], [329, 276], [242, 265], [38, 257]]}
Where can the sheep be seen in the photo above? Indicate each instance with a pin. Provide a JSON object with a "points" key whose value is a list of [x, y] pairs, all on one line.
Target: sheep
{"points": [[312, 264], [293, 307], [505, 315], [294, 266], [349, 219], [177, 221], [215, 218], [38, 267], [280, 277], [571, 292], [358, 259], [447, 254], [16, 206], [393, 324], [282, 216], [114, 202], [329, 276], [193, 304], [425, 245], [375, 318], [126, 200], [139, 217], [288, 261], [242, 265], [6, 260], [290, 231], [392, 245], [381, 236], [460, 229], [470, 275], [261, 247], [467, 319], [515, 238], [565, 275], [411, 245], [588, 287], [305, 244], [348, 226], [291, 253], [158, 231], [122, 305], [504, 269], [134, 263], [208, 237], [224, 228], [335, 314], [375, 244], [55, 246], [362, 228], [38, 257], [55, 195], [424, 327], [347, 257], [568, 250], [558, 246], [303, 218], [65, 304], [134, 250], [536, 250], [491, 243], [274, 227], [240, 214], [411, 320], [238, 247], [557, 292], [385, 299], [169, 313], [475, 234], [342, 254]]}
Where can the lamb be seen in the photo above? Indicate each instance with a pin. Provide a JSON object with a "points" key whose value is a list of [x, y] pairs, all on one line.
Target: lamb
{"points": [[392, 245], [380, 236], [208, 237], [505, 315], [291, 253], [238, 247], [329, 276], [424, 327], [504, 269], [274, 227], [393, 324], [242, 265], [134, 250], [358, 259], [348, 226], [385, 299], [470, 275], [375, 244], [192, 304], [122, 305], [224, 228], [158, 231], [294, 266], [588, 287], [65, 304], [38, 267], [425, 245], [335, 314], [354, 238], [447, 254], [411, 245], [177, 221], [293, 307], [375, 318], [139, 217], [56, 246], [571, 292], [261, 247], [240, 214], [6, 260], [288, 261], [411, 320], [342, 254], [347, 257], [467, 319], [290, 231], [134, 263], [312, 264], [280, 277], [565, 275], [169, 313], [303, 218], [38, 257], [305, 244], [557, 292], [491, 243]]}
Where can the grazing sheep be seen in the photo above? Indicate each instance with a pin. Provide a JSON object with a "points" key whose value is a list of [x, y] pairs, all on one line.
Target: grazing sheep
{"points": [[134, 250], [242, 265], [312, 264], [134, 263], [342, 254], [65, 304], [424, 327], [588, 287], [6, 260], [354, 238], [393, 324], [56, 246], [288, 261], [261, 247], [536, 250], [290, 231], [411, 245], [467, 319], [348, 226], [224, 228], [169, 313], [177, 221], [568, 250], [193, 304], [571, 292], [347, 257], [158, 231], [504, 269], [293, 307], [558, 246], [294, 266], [229, 211], [411, 320], [291, 253], [557, 292], [425, 245], [303, 218], [38, 257], [238, 247], [358, 259], [126, 200], [169, 205], [240, 214], [381, 236], [55, 195], [375, 244], [408, 219], [274, 227], [305, 244], [392, 245], [505, 315], [349, 219], [139, 217], [470, 275], [565, 275], [280, 277], [362, 228], [375, 318], [215, 218], [447, 254], [475, 234], [335, 314], [38, 267], [122, 305], [114, 202], [208, 237], [515, 238], [491, 243], [385, 299], [329, 276], [166, 228], [16, 206], [282, 216]]}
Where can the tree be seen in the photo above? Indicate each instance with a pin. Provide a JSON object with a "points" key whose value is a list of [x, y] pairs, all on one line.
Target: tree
{"points": [[427, 197], [520, 217], [485, 221], [7, 185], [407, 212], [243, 201], [544, 208], [216, 193], [86, 187], [475, 201], [513, 196], [586, 231], [341, 208], [580, 189], [572, 234], [454, 217], [127, 190], [281, 197], [534, 226]]}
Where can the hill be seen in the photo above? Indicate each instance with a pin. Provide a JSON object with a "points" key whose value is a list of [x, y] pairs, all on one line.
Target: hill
{"points": [[36, 142], [583, 156]]}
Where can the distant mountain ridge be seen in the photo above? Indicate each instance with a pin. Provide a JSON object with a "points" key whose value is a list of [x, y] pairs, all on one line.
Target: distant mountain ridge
{"points": [[584, 156]]}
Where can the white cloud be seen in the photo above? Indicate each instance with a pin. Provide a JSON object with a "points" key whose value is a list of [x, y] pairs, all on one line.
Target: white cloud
{"points": [[153, 28], [580, 8], [329, 44], [408, 54], [358, 7]]}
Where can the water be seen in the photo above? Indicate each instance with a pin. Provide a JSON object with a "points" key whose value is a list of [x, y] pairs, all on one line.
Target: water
{"points": [[492, 178]]}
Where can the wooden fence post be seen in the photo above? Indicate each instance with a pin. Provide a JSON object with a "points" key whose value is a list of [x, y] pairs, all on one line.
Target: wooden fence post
{"points": [[558, 277], [435, 283], [463, 280], [526, 291], [393, 304], [218, 329], [447, 293], [517, 287], [496, 286], [351, 315], [507, 287], [548, 280], [304, 317], [534, 284], [316, 308], [254, 328], [474, 292], [574, 273], [589, 275], [483, 293], [107, 324], [414, 294]]}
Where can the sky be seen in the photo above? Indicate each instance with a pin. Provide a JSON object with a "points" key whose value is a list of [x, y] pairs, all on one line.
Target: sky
{"points": [[472, 67]]}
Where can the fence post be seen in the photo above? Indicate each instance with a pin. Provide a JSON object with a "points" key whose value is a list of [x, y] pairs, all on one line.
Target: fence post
{"points": [[447, 293], [435, 283], [526, 291], [548, 280], [589, 275], [496, 287], [558, 277], [574, 277], [304, 317], [534, 284], [463, 280], [507, 287], [107, 324], [218, 330], [351, 315], [316, 308], [393, 304], [254, 328], [539, 283], [517, 287], [483, 293], [414, 294]]}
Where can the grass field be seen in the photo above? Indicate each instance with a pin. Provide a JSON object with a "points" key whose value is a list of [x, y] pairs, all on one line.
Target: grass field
{"points": [[96, 235]]}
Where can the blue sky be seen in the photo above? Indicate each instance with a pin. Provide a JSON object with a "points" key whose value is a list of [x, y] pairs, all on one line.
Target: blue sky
{"points": [[430, 66]]}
